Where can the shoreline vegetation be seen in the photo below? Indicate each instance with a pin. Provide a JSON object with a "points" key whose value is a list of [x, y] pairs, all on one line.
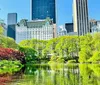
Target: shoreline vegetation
{"points": [[64, 49]]}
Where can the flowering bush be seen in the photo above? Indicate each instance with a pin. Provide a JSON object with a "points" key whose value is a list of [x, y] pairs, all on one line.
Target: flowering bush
{"points": [[10, 54]]}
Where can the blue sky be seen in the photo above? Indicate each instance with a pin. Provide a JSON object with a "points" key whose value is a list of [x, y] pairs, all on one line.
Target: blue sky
{"points": [[64, 9]]}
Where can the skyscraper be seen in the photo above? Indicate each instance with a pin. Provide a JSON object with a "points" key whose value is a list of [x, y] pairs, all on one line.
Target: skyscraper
{"points": [[41, 9], [69, 27], [11, 31], [12, 18], [80, 17], [11, 22]]}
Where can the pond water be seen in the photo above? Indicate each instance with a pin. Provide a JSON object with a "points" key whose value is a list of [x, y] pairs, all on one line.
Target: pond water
{"points": [[55, 74]]}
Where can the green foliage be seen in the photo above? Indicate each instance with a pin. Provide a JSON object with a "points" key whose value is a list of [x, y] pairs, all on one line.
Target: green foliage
{"points": [[69, 47], [9, 66], [86, 48], [60, 59], [66, 46], [38, 45], [30, 53], [7, 42], [89, 48], [29, 69], [56, 66], [1, 30], [56, 59], [53, 58], [10, 43], [71, 61], [95, 57], [90, 74]]}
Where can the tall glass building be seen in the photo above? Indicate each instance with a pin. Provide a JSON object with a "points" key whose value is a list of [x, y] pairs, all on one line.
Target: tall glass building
{"points": [[41, 9], [12, 18], [11, 22]]}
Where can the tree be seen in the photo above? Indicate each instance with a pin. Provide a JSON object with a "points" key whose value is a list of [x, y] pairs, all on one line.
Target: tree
{"points": [[1, 30], [8, 42], [95, 57], [30, 53], [86, 48], [96, 40]]}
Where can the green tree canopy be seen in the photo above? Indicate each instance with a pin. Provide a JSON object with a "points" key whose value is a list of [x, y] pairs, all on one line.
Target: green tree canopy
{"points": [[1, 30]]}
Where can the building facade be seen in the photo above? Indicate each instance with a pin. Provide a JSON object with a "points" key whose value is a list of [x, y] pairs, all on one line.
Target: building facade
{"points": [[12, 18], [92, 22], [11, 22], [95, 26], [62, 31], [80, 17], [69, 27], [37, 29], [11, 31], [66, 30], [41, 9]]}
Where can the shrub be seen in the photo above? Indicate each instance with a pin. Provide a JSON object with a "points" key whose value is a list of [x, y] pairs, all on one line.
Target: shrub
{"points": [[71, 61], [95, 57], [7, 42], [10, 54], [57, 59], [9, 66], [53, 58], [30, 53], [60, 60]]}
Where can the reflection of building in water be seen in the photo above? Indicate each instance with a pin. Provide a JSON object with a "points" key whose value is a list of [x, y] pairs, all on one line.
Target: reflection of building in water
{"points": [[37, 29]]}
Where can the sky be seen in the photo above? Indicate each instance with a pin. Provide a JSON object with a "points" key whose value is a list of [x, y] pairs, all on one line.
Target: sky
{"points": [[64, 9]]}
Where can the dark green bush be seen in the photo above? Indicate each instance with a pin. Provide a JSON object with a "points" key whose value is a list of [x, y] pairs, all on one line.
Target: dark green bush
{"points": [[30, 54]]}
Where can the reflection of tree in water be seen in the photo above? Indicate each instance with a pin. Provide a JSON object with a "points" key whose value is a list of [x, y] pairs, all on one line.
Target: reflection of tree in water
{"points": [[90, 74], [29, 70], [7, 78], [55, 76], [84, 74], [45, 75]]}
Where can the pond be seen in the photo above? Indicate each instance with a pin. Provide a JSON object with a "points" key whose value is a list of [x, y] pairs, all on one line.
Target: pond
{"points": [[54, 74]]}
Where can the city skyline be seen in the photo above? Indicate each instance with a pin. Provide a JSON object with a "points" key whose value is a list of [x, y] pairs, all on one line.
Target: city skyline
{"points": [[64, 10]]}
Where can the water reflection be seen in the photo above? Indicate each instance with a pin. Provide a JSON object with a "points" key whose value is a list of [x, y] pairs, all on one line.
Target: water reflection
{"points": [[90, 74], [58, 74]]}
